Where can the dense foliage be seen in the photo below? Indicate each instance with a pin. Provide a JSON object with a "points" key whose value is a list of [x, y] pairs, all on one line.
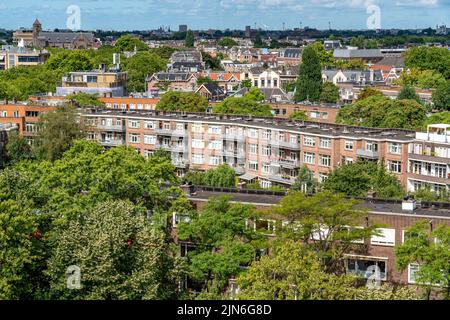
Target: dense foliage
{"points": [[182, 101], [252, 103]]}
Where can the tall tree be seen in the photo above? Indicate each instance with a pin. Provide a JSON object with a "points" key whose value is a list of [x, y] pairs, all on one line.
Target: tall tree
{"points": [[408, 93], [430, 252], [190, 39], [83, 100], [119, 255], [139, 66], [309, 82], [223, 243], [357, 179], [222, 176], [18, 148], [258, 43], [56, 132], [330, 93], [182, 101], [326, 223], [291, 272], [441, 96]]}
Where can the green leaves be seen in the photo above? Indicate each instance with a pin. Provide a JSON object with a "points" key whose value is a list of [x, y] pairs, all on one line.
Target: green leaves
{"points": [[309, 82], [182, 101], [139, 66], [356, 179], [250, 104], [381, 112], [431, 251]]}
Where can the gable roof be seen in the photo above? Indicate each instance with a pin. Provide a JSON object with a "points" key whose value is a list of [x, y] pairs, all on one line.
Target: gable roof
{"points": [[212, 88], [171, 76]]}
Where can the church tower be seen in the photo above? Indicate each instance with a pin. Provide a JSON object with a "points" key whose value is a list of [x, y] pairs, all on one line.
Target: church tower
{"points": [[37, 28]]}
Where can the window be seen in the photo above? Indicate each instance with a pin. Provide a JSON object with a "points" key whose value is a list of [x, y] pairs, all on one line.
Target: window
{"points": [[31, 113], [253, 148], [16, 114], [214, 161], [214, 129], [134, 124], [371, 146], [266, 168], [132, 106], [265, 184], [91, 79], [322, 177], [440, 170], [30, 127], [325, 143], [134, 138], [395, 148], [197, 127], [266, 151], [395, 166], [197, 143], [4, 114], [253, 133], [253, 165], [149, 139], [315, 114], [179, 127], [325, 115], [148, 153], [197, 158], [309, 141], [309, 158], [386, 237], [366, 267], [266, 134], [215, 145], [348, 145], [325, 160], [149, 125], [413, 268]]}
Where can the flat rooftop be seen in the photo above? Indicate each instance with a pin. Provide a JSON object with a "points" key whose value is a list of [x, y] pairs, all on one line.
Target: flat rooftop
{"points": [[309, 127], [375, 206]]}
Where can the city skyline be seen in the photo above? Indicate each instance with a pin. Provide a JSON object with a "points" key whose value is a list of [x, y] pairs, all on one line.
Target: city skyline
{"points": [[223, 14]]}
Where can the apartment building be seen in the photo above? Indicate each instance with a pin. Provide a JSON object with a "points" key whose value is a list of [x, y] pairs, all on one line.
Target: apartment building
{"points": [[263, 149], [131, 103], [429, 159], [102, 82], [24, 116], [11, 56], [395, 217]]}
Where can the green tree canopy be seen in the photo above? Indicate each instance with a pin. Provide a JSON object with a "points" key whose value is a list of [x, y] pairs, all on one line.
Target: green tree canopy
{"points": [[190, 39], [441, 96], [408, 93], [309, 82], [120, 256], [429, 58], [139, 66], [18, 148], [227, 42], [182, 101], [292, 272], [382, 112], [368, 92], [250, 104], [129, 43], [56, 132], [357, 179], [70, 60], [299, 116], [222, 176], [330, 93], [430, 250], [84, 100]]}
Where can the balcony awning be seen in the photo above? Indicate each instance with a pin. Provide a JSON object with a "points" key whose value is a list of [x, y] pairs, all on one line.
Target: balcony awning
{"points": [[247, 177]]}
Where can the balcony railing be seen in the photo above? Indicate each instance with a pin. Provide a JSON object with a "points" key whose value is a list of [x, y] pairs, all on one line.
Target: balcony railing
{"points": [[285, 144], [162, 131], [180, 163], [233, 136], [281, 178], [113, 142], [234, 153], [107, 127], [367, 154]]}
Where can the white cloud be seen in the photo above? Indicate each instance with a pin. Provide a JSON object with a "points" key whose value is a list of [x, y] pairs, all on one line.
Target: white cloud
{"points": [[417, 3]]}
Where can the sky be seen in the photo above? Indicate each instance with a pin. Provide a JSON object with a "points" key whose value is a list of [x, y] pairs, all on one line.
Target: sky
{"points": [[222, 14]]}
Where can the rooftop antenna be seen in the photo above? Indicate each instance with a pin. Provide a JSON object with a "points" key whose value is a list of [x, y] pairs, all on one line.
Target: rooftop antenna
{"points": [[329, 25]]}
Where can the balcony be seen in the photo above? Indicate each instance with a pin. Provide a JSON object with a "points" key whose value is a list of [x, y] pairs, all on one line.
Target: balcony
{"points": [[234, 153], [111, 127], [433, 137], [112, 142], [164, 132], [289, 164], [180, 163], [233, 136], [239, 170], [285, 144], [281, 178], [368, 154], [179, 133]]}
